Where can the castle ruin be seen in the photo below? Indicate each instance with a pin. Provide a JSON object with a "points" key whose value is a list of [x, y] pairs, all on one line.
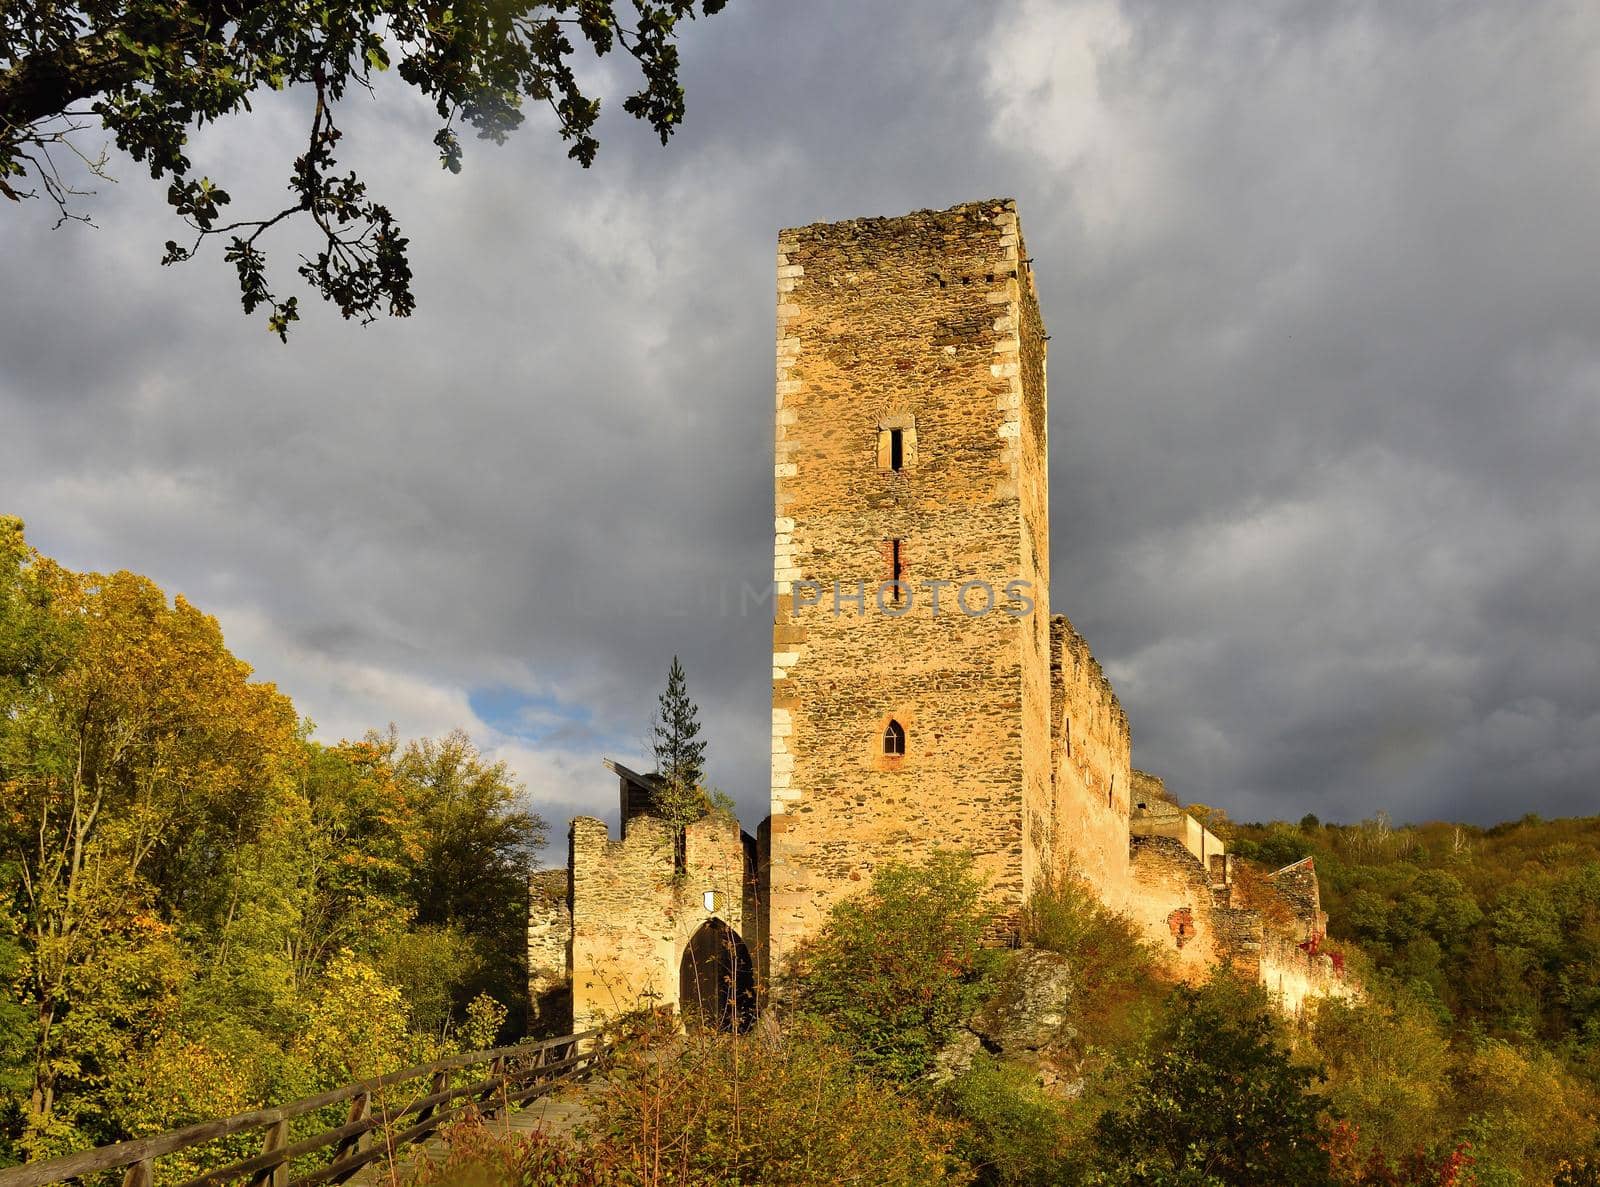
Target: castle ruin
{"points": [[923, 695]]}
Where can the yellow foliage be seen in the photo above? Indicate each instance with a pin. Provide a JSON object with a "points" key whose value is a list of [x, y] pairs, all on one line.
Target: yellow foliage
{"points": [[1387, 1066], [1526, 1113], [357, 1026]]}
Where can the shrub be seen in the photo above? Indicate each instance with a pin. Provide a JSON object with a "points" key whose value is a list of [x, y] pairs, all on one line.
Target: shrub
{"points": [[1017, 1133], [768, 1107], [475, 1157], [1216, 1102], [896, 969], [720, 1111], [1115, 969]]}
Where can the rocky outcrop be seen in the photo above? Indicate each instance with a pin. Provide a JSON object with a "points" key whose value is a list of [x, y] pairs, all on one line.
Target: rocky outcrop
{"points": [[1029, 1010], [1025, 1021]]}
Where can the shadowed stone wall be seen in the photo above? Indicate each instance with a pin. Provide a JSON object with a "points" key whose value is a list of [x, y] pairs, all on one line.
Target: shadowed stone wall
{"points": [[549, 952], [1297, 885]]}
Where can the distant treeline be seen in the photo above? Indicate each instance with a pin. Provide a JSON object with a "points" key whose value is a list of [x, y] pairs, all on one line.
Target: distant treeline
{"points": [[1497, 929]]}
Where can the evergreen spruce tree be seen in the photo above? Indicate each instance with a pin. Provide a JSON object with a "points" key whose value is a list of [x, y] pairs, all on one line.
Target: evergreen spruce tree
{"points": [[680, 755]]}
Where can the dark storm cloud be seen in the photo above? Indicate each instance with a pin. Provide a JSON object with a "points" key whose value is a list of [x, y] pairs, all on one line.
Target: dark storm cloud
{"points": [[1324, 393]]}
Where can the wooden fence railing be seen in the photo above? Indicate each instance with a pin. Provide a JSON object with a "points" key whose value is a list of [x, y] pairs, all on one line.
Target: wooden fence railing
{"points": [[382, 1116]]}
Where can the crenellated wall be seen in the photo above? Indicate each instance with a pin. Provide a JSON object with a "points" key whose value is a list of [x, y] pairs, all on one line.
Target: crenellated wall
{"points": [[633, 914]]}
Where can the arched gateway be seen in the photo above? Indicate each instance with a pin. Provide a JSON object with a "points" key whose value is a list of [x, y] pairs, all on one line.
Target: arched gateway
{"points": [[716, 980]]}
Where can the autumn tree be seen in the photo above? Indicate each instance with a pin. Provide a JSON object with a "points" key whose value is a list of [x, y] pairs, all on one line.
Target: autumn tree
{"points": [[1217, 1102], [361, 840], [149, 71], [476, 840], [134, 778]]}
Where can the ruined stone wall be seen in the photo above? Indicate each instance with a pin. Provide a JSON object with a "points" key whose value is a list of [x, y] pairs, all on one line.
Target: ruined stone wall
{"points": [[1293, 975], [1092, 771], [1173, 900], [632, 917], [549, 952], [1239, 937], [1148, 789], [910, 322], [1265, 927], [1168, 821], [1297, 886]]}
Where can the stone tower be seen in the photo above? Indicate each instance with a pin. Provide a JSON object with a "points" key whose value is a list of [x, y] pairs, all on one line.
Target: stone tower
{"points": [[911, 448], [923, 695]]}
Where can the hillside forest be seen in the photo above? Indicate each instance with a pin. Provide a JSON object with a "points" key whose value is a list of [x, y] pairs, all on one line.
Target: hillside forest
{"points": [[203, 909]]}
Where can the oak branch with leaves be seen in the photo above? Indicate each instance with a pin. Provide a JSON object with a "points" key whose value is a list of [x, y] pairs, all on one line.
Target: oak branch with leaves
{"points": [[149, 70]]}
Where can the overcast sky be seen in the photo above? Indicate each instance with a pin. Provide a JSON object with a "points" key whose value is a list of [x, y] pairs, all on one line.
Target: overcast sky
{"points": [[1324, 285]]}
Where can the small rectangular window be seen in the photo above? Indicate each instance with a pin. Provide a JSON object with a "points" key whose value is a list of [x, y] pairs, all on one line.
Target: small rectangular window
{"points": [[897, 443]]}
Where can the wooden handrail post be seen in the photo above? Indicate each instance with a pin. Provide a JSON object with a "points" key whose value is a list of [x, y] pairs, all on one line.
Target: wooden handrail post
{"points": [[489, 1098], [141, 1174], [440, 1081], [360, 1108], [277, 1138]]}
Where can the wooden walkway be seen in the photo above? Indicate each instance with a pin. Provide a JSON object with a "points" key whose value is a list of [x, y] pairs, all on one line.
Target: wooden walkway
{"points": [[559, 1114], [556, 1114]]}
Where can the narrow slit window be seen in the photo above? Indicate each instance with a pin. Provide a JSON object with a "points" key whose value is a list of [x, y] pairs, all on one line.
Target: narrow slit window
{"points": [[897, 443], [897, 567], [894, 739]]}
